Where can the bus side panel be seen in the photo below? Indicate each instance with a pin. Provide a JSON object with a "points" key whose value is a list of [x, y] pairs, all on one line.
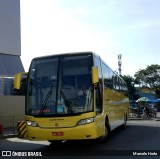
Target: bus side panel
{"points": [[115, 107]]}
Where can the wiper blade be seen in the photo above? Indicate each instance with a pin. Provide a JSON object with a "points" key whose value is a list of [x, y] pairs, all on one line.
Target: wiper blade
{"points": [[45, 102], [67, 103]]}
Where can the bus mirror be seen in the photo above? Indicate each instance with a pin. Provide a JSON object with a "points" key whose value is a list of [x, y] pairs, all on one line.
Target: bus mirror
{"points": [[20, 82], [95, 78]]}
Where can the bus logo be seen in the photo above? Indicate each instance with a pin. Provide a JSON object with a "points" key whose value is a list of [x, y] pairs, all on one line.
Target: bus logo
{"points": [[6, 153]]}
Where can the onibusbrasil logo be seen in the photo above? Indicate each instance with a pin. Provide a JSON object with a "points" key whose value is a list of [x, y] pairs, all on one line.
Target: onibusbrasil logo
{"points": [[21, 153]]}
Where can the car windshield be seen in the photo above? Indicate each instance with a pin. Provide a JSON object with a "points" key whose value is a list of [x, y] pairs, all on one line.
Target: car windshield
{"points": [[60, 86]]}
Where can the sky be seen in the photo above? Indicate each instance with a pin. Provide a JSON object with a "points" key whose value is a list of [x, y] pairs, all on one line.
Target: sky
{"points": [[106, 27]]}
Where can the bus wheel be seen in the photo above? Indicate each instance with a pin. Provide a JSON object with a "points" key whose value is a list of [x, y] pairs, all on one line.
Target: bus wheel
{"points": [[105, 136]]}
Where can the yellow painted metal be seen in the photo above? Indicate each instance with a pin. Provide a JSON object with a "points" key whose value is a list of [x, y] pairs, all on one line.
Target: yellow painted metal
{"points": [[95, 78], [17, 79], [115, 106], [67, 125]]}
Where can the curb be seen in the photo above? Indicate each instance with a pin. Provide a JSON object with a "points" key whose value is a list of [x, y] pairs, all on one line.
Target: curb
{"points": [[2, 136], [135, 119], [155, 119]]}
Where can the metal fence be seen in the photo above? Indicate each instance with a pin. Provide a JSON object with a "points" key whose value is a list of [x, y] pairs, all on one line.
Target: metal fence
{"points": [[11, 121]]}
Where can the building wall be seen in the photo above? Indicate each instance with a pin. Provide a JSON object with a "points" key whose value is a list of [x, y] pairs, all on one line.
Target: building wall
{"points": [[12, 110], [11, 106], [10, 41]]}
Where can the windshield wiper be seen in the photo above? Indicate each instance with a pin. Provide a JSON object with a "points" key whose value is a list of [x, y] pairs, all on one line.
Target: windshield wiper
{"points": [[67, 103], [46, 100]]}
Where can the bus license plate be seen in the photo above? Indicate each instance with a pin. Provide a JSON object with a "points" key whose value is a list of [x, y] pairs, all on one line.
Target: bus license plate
{"points": [[57, 133]]}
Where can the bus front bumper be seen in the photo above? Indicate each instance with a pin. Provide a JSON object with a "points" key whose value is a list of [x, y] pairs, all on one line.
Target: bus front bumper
{"points": [[80, 132]]}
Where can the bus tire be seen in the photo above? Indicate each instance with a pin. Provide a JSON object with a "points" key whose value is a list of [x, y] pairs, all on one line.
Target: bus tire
{"points": [[105, 136]]}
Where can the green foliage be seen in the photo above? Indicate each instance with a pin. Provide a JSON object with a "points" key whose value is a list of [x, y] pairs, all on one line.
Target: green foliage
{"points": [[149, 77]]}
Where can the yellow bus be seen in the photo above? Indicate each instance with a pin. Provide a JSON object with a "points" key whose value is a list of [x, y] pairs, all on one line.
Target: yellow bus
{"points": [[74, 96]]}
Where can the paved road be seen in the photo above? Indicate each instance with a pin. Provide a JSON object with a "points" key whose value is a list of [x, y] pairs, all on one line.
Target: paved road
{"points": [[139, 137]]}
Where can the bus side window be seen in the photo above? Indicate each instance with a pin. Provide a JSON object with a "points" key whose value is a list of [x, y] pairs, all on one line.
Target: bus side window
{"points": [[99, 90], [98, 100]]}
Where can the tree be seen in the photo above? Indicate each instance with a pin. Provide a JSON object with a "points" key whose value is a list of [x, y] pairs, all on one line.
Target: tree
{"points": [[150, 77], [130, 84]]}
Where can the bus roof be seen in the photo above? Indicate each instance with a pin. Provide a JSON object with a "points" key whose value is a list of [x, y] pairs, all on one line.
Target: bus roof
{"points": [[65, 54]]}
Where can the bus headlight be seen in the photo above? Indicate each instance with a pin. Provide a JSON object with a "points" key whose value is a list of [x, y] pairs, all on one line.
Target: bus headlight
{"points": [[86, 121], [32, 123]]}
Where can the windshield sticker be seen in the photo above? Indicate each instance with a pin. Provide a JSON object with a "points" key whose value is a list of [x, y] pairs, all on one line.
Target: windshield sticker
{"points": [[41, 111], [60, 109]]}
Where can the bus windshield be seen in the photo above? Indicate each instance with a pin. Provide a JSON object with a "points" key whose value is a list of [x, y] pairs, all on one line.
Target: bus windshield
{"points": [[60, 86]]}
